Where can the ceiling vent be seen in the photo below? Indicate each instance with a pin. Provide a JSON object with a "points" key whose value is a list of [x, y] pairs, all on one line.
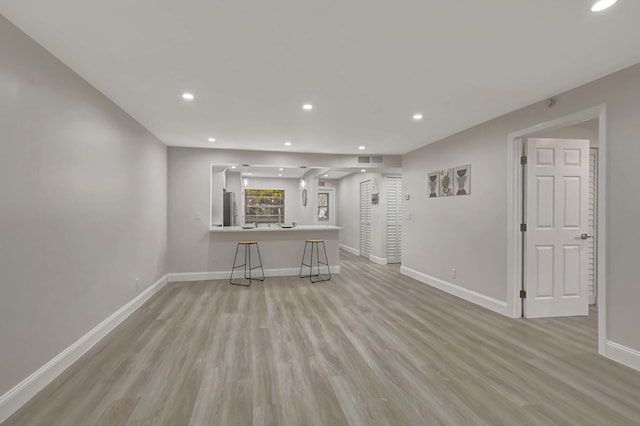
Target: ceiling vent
{"points": [[370, 159]]}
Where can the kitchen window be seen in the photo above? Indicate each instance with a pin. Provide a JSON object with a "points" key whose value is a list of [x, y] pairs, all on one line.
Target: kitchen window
{"points": [[264, 205]]}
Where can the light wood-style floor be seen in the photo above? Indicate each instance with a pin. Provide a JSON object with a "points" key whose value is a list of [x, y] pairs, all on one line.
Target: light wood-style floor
{"points": [[370, 347]]}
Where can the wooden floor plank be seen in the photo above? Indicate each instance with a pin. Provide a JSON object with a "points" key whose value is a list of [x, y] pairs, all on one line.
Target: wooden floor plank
{"points": [[369, 347]]}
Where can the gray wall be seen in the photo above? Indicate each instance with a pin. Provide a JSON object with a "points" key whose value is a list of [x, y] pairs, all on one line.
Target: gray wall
{"points": [[83, 207], [587, 130], [469, 233]]}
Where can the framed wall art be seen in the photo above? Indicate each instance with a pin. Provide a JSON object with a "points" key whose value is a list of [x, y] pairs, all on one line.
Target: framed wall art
{"points": [[433, 185], [446, 182], [462, 176]]}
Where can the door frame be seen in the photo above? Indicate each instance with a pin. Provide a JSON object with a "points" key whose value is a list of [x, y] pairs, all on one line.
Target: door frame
{"points": [[514, 211]]}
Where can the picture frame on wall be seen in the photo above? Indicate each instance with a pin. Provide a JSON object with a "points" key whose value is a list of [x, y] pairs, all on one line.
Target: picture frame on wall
{"points": [[446, 183], [433, 185], [462, 176]]}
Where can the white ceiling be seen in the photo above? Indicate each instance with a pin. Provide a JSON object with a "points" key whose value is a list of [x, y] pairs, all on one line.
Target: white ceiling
{"points": [[365, 65]]}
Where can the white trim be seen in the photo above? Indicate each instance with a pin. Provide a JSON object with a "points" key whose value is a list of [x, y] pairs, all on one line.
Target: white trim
{"points": [[211, 198], [224, 275], [20, 394], [490, 303], [349, 249], [378, 260], [514, 212], [623, 355]]}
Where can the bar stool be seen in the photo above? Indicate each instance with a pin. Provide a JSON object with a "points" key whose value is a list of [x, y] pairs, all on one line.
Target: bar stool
{"points": [[315, 244], [247, 263]]}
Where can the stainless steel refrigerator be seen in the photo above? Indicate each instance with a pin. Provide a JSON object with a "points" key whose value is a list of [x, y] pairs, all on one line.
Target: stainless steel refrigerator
{"points": [[229, 209]]}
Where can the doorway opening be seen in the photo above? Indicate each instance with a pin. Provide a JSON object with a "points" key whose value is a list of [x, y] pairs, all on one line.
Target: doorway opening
{"points": [[326, 212], [534, 263]]}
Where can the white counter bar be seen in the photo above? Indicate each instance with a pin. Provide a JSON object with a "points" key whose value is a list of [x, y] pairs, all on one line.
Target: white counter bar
{"points": [[275, 228], [281, 248]]}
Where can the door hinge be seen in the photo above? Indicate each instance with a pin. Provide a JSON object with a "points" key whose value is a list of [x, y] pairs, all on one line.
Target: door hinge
{"points": [[523, 294], [523, 160], [523, 227]]}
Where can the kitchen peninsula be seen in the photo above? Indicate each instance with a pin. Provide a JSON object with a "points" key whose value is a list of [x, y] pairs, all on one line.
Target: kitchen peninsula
{"points": [[281, 248]]}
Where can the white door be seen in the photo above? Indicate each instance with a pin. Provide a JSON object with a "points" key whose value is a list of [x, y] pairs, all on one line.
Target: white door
{"points": [[556, 213], [365, 218], [394, 219]]}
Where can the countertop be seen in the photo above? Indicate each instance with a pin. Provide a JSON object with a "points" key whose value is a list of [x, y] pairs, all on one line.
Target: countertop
{"points": [[276, 228]]}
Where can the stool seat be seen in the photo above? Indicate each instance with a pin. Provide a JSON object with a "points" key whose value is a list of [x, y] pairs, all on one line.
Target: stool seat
{"points": [[247, 265], [315, 246]]}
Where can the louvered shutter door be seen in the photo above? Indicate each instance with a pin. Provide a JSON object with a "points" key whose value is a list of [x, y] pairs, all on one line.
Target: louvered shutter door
{"points": [[365, 218], [394, 219], [592, 274]]}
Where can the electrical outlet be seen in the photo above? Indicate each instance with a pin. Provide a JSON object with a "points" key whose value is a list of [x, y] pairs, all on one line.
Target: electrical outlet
{"points": [[198, 216], [454, 273]]}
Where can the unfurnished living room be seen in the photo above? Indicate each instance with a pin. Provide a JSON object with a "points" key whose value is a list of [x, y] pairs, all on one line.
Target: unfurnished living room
{"points": [[319, 213]]}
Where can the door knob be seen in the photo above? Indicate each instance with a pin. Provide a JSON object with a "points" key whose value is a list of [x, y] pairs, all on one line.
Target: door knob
{"points": [[585, 236]]}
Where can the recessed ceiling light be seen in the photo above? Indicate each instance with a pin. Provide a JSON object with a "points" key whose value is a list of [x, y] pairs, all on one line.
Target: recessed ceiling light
{"points": [[602, 5], [211, 139], [307, 107], [188, 96], [417, 116], [326, 175], [363, 170], [279, 174], [281, 169], [233, 167], [249, 174], [287, 143], [362, 147]]}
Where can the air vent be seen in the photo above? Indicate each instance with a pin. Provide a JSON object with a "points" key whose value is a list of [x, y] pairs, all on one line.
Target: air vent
{"points": [[321, 183], [370, 159]]}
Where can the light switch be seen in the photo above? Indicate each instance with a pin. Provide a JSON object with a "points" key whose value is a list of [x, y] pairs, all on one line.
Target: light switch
{"points": [[198, 216]]}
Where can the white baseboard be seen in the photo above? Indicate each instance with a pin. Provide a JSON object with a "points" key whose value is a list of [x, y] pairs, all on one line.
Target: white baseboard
{"points": [[198, 276], [349, 249], [623, 355], [471, 296], [224, 275], [378, 260], [11, 401]]}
